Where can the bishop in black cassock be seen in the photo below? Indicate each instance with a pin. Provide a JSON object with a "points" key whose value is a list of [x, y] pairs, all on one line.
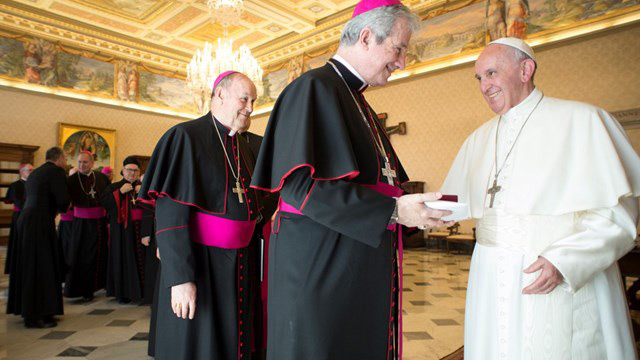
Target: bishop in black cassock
{"points": [[34, 284], [125, 265], [199, 175], [15, 196], [334, 275], [86, 248]]}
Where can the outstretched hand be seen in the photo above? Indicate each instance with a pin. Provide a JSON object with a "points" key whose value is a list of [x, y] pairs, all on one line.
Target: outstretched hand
{"points": [[413, 212]]}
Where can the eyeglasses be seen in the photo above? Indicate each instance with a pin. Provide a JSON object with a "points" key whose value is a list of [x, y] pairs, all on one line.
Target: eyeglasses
{"points": [[132, 170]]}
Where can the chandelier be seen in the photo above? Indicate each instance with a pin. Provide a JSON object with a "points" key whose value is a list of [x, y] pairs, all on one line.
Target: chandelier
{"points": [[205, 66]]}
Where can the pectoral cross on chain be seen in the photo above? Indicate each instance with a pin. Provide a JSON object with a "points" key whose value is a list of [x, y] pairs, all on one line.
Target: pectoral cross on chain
{"points": [[388, 172], [92, 193], [240, 191], [493, 191]]}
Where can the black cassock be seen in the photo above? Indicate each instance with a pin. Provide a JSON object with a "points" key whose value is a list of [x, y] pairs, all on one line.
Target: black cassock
{"points": [[189, 177], [86, 250], [15, 196], [148, 228], [34, 284], [125, 265], [333, 270]]}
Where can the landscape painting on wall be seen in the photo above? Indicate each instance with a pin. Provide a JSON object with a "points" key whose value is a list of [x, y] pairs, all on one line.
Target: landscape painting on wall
{"points": [[273, 84], [11, 58], [448, 34], [165, 92], [547, 15], [84, 74]]}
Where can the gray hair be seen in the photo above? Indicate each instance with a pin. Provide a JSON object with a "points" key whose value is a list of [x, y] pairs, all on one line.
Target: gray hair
{"points": [[53, 154], [380, 20], [519, 56]]}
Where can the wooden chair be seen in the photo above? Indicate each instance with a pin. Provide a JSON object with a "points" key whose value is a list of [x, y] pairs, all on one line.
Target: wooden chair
{"points": [[469, 240], [438, 235]]}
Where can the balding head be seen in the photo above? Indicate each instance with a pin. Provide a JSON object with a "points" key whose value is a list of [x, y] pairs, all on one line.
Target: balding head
{"points": [[85, 163], [232, 102]]}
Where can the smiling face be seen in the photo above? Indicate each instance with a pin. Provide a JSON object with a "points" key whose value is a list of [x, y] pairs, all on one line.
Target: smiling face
{"points": [[234, 104], [384, 58], [504, 83]]}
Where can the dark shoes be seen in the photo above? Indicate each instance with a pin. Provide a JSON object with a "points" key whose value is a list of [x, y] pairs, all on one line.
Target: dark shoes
{"points": [[43, 323], [124, 301]]}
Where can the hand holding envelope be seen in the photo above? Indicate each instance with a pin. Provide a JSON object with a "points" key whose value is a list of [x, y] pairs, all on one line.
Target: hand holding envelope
{"points": [[413, 212], [459, 211]]}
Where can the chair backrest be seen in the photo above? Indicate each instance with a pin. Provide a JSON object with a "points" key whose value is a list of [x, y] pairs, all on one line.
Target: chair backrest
{"points": [[453, 229]]}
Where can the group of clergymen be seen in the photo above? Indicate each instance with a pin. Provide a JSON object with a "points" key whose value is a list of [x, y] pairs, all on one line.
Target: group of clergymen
{"points": [[102, 239], [553, 185]]}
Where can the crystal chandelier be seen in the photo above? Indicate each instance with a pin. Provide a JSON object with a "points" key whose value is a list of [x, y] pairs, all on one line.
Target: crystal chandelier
{"points": [[205, 66]]}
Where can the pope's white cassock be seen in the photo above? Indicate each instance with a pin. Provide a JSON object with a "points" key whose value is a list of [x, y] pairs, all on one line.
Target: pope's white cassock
{"points": [[569, 193]]}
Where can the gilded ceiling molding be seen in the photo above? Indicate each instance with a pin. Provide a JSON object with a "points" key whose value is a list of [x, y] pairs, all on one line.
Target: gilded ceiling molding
{"points": [[20, 21]]}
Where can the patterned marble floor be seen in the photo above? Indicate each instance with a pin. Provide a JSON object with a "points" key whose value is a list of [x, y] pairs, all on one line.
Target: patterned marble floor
{"points": [[433, 298]]}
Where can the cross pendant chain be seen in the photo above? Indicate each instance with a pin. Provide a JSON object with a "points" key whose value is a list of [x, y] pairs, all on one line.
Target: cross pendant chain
{"points": [[92, 193], [240, 191], [493, 191], [388, 172]]}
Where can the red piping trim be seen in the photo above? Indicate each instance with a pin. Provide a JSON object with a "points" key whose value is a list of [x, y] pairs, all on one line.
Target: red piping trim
{"points": [[349, 176], [155, 194], [171, 228]]}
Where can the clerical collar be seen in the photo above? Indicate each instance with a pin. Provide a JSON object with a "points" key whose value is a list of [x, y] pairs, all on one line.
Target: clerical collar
{"points": [[223, 129], [351, 76], [524, 108]]}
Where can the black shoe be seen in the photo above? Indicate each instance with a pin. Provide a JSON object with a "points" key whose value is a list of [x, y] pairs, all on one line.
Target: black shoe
{"points": [[39, 324], [124, 301], [49, 319], [87, 298]]}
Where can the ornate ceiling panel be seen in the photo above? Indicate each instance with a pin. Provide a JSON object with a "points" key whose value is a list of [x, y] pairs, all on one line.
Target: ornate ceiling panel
{"points": [[165, 33]]}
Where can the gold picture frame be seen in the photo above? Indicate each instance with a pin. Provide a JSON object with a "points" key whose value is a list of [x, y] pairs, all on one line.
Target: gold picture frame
{"points": [[101, 142]]}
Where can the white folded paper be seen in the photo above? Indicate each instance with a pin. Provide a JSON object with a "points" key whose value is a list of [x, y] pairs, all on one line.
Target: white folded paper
{"points": [[460, 211]]}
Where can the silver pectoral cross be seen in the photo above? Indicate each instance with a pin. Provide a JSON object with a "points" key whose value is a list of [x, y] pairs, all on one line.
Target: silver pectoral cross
{"points": [[388, 172], [92, 193], [493, 191], [240, 191]]}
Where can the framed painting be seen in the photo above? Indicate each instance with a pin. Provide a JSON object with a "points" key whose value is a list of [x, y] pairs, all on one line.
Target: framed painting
{"points": [[99, 141]]}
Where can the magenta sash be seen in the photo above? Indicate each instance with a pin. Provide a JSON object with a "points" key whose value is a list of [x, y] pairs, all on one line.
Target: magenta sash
{"points": [[16, 209], [89, 213], [136, 214], [215, 231], [389, 191], [68, 216]]}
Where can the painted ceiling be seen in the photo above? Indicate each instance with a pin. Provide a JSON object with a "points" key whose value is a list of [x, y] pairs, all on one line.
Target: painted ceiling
{"points": [[166, 33]]}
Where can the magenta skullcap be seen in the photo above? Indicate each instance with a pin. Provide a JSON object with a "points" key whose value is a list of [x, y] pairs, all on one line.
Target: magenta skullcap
{"points": [[220, 77], [106, 170], [366, 5]]}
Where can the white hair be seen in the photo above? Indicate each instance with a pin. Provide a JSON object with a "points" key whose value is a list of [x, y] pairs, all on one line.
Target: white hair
{"points": [[380, 20]]}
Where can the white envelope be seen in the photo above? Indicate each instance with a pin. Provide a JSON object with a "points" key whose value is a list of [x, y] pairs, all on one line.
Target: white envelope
{"points": [[459, 210]]}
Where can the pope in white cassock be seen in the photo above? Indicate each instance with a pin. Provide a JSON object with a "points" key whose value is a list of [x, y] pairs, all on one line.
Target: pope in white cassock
{"points": [[554, 186]]}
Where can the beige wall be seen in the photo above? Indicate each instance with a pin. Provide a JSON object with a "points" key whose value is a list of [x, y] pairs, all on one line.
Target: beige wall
{"points": [[442, 108], [31, 118]]}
